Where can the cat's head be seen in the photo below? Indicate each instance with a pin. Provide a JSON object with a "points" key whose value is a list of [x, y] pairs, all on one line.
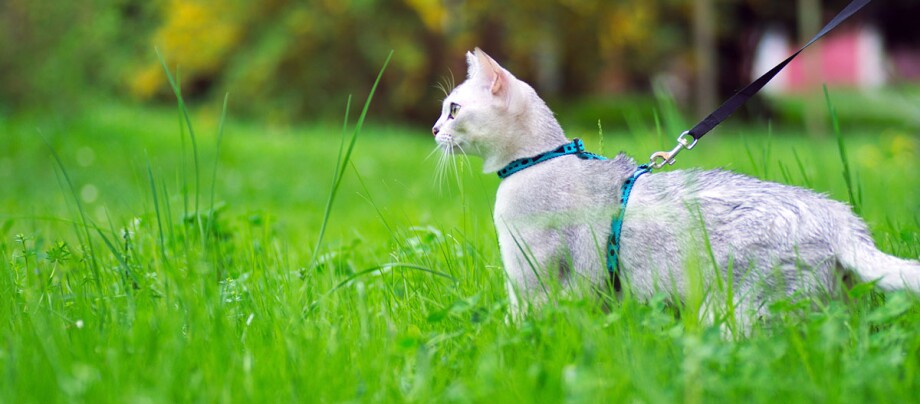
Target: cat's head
{"points": [[492, 115]]}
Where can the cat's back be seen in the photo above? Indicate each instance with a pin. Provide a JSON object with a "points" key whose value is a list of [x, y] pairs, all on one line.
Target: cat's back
{"points": [[562, 185]]}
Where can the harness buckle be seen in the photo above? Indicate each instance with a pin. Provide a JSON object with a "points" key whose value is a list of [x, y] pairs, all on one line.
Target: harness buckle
{"points": [[659, 159]]}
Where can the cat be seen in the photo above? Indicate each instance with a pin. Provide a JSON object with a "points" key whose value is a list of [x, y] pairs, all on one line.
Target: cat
{"points": [[755, 238]]}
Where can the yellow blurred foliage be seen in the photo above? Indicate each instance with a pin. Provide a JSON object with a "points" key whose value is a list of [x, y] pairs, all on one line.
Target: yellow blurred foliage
{"points": [[625, 26], [895, 148], [199, 34], [147, 81], [904, 149], [431, 13]]}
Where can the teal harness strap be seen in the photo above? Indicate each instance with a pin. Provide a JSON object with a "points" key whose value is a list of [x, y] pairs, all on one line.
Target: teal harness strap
{"points": [[576, 147], [613, 244]]}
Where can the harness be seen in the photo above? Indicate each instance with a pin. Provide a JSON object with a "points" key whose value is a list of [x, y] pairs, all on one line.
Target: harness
{"points": [[687, 140], [577, 147]]}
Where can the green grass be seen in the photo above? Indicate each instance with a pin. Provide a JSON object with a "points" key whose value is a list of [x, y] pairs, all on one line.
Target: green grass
{"points": [[894, 106], [405, 302]]}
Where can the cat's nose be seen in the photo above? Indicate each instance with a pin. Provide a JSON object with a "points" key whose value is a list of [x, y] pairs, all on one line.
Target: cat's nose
{"points": [[435, 130]]}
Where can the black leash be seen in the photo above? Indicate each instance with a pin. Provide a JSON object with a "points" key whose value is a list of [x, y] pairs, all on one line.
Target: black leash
{"points": [[577, 147], [658, 159]]}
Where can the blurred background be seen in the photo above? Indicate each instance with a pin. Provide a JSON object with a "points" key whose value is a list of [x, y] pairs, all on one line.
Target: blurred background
{"points": [[288, 62]]}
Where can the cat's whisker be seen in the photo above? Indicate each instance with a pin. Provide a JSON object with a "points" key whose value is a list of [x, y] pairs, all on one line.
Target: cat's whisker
{"points": [[448, 163], [457, 170], [441, 86], [437, 148], [437, 167], [453, 81], [466, 156], [441, 168], [454, 165], [445, 160], [447, 84], [443, 172]]}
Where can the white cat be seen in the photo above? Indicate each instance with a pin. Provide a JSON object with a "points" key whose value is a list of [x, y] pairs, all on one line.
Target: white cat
{"points": [[749, 237]]}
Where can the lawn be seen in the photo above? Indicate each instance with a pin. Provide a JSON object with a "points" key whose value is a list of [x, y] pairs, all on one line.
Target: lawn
{"points": [[113, 289]]}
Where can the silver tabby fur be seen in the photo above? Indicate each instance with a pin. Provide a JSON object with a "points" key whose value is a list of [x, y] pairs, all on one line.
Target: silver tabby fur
{"points": [[738, 239]]}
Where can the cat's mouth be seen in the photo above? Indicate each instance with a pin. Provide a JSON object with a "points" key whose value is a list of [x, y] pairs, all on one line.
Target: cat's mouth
{"points": [[447, 144]]}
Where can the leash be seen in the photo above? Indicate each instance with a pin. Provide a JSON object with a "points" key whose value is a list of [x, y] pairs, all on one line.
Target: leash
{"points": [[659, 159]]}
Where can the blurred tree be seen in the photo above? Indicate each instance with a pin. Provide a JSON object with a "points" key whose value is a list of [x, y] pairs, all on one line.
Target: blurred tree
{"points": [[201, 34], [293, 60], [287, 60], [57, 54], [704, 42]]}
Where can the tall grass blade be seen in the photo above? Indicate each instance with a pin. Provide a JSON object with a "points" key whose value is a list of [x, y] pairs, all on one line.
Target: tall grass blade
{"points": [[120, 258], [191, 132], [798, 161], [84, 221], [767, 151], [220, 136], [343, 159], [841, 147], [156, 210]]}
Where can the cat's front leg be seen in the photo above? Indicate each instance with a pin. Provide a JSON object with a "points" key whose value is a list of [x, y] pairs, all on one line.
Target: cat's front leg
{"points": [[515, 310], [533, 265]]}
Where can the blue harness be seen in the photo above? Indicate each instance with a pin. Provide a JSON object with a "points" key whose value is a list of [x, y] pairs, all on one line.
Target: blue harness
{"points": [[577, 147]]}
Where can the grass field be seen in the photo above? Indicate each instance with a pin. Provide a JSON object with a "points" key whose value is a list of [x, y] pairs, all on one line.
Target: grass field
{"points": [[113, 289]]}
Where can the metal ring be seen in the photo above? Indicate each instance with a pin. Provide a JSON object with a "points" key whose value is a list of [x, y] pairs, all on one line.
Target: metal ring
{"points": [[662, 156], [668, 157], [683, 140]]}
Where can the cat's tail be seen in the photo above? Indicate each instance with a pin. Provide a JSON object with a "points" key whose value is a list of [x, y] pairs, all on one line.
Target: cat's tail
{"points": [[857, 253]]}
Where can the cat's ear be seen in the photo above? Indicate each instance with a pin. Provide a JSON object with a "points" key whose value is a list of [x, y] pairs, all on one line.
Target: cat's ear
{"points": [[472, 65], [490, 72]]}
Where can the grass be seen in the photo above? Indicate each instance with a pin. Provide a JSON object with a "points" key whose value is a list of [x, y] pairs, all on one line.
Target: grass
{"points": [[404, 301]]}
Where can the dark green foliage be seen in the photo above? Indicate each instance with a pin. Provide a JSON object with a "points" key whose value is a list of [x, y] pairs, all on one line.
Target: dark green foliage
{"points": [[59, 55]]}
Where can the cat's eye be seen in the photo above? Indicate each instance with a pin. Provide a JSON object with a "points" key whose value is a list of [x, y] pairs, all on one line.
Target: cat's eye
{"points": [[454, 109]]}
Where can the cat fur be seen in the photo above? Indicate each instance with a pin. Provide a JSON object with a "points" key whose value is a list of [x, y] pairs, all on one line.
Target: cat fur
{"points": [[681, 228]]}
